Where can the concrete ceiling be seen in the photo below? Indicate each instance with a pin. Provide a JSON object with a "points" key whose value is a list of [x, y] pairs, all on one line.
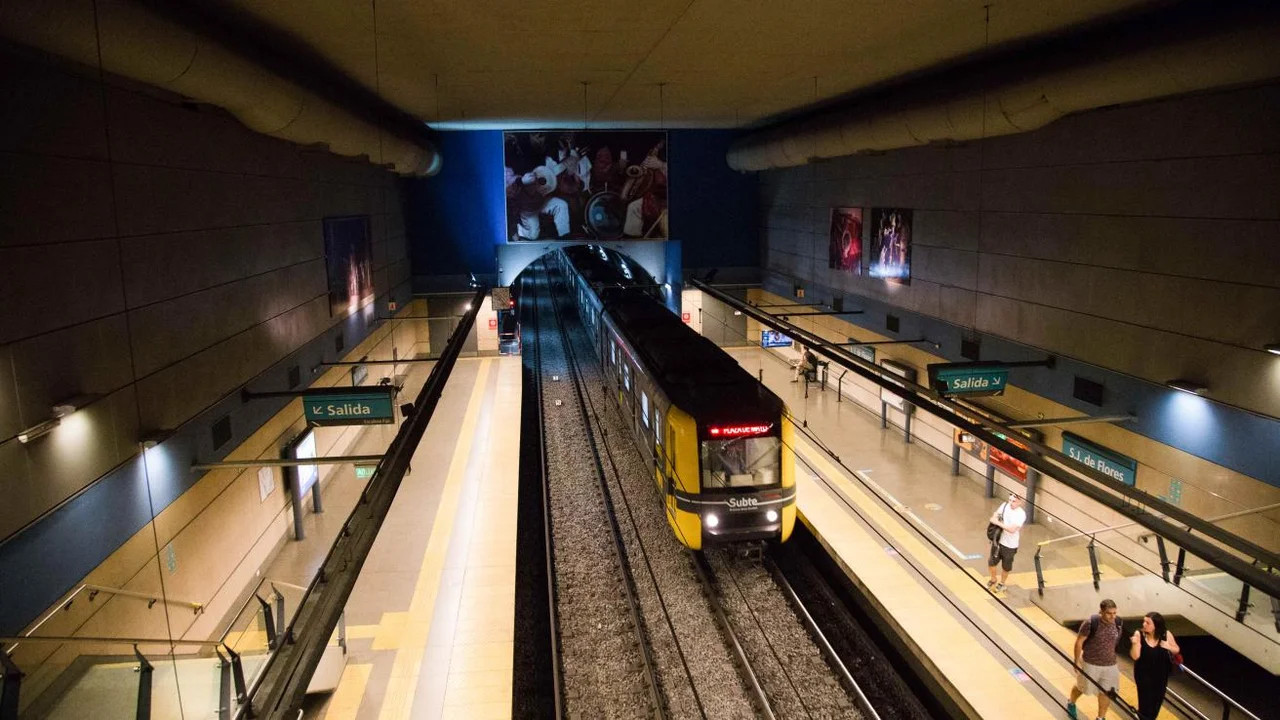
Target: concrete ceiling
{"points": [[676, 63]]}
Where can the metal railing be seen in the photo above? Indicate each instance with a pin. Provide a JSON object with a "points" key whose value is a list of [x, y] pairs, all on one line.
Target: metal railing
{"points": [[280, 686]]}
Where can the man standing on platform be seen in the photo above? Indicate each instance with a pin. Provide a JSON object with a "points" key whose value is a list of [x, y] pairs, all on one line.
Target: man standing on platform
{"points": [[1010, 517], [1096, 647]]}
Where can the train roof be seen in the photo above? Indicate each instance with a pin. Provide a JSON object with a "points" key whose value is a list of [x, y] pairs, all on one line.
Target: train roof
{"points": [[696, 374]]}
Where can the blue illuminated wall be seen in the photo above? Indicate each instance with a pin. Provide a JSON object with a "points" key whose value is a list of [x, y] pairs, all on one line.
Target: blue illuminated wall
{"points": [[456, 219]]}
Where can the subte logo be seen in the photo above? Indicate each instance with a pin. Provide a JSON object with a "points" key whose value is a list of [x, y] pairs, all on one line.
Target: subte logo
{"points": [[742, 503]]}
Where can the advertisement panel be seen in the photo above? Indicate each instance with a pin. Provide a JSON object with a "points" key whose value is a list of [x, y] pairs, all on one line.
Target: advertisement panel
{"points": [[773, 339], [304, 448], [844, 245], [889, 255], [980, 449], [579, 184], [348, 261]]}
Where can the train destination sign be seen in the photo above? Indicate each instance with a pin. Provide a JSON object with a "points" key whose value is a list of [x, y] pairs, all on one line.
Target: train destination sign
{"points": [[960, 379], [356, 408], [1108, 462]]}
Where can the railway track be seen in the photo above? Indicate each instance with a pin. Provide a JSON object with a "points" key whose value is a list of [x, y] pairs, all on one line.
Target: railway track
{"points": [[722, 635], [600, 635]]}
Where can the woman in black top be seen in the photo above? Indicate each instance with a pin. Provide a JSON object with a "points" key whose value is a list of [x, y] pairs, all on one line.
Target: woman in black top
{"points": [[1152, 649]]}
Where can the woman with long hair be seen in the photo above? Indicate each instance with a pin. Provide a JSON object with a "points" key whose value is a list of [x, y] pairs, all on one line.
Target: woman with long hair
{"points": [[1152, 649]]}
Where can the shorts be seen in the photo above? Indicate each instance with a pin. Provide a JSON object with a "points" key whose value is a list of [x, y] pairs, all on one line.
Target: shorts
{"points": [[1003, 555], [1107, 677]]}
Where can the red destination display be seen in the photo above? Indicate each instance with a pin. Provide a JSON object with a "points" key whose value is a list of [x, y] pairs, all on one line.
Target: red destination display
{"points": [[739, 430]]}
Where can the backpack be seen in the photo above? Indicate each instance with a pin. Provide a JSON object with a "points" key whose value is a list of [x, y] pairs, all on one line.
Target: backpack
{"points": [[1122, 642], [994, 532]]}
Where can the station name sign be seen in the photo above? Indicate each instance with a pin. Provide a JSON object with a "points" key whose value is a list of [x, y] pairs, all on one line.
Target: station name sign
{"points": [[967, 380], [1108, 462], [371, 407]]}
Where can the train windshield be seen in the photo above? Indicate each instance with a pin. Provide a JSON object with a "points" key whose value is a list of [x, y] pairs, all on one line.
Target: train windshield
{"points": [[741, 462]]}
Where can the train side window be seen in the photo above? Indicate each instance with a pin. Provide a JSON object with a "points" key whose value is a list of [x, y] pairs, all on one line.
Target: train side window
{"points": [[626, 375], [644, 408], [657, 422]]}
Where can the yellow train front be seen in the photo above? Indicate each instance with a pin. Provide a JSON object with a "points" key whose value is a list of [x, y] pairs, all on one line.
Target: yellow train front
{"points": [[719, 443]]}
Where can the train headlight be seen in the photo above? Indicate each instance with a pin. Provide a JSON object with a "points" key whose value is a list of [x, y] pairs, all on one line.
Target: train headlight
{"points": [[710, 520], [771, 516]]}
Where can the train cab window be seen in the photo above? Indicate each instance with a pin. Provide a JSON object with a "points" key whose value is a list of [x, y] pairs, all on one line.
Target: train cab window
{"points": [[741, 462], [644, 408]]}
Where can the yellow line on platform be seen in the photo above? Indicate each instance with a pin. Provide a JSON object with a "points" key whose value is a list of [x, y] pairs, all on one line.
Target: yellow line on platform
{"points": [[345, 703], [397, 701]]}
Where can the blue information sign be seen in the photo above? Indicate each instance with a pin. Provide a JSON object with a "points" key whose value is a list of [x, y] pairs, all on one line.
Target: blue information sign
{"points": [[967, 380], [1108, 462], [356, 408], [773, 338]]}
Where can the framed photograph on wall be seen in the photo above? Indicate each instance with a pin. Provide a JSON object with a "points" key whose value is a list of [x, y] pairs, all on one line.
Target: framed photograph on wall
{"points": [[889, 255], [348, 260], [583, 185], [844, 240]]}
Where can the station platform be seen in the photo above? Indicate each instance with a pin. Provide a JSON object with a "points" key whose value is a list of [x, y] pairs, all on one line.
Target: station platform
{"points": [[912, 536], [430, 622]]}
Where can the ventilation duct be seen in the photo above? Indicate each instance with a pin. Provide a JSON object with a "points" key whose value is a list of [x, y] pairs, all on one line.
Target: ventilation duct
{"points": [[1244, 53], [141, 46]]}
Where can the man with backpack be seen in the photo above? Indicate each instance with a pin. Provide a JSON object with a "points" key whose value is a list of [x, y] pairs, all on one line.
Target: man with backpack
{"points": [[1095, 658]]}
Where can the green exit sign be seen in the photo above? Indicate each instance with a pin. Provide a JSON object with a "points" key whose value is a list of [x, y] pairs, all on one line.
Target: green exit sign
{"points": [[365, 472], [959, 379], [355, 408]]}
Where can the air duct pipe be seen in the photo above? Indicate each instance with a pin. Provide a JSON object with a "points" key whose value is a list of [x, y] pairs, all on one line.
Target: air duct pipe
{"points": [[139, 45], [1245, 53]]}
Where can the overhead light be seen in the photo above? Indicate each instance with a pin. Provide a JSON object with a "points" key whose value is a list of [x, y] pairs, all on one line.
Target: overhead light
{"points": [[1273, 348], [154, 438], [1187, 386], [39, 430], [70, 405]]}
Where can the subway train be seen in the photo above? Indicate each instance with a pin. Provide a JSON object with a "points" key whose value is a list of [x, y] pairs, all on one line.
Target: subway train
{"points": [[718, 441]]}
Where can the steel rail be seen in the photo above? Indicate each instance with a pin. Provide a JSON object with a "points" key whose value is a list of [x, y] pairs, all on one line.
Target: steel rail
{"points": [[832, 656], [1100, 488], [557, 680], [289, 668], [619, 545], [707, 577]]}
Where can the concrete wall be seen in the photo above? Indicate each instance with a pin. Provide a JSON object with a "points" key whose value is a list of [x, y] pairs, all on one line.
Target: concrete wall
{"points": [[154, 256], [1139, 243]]}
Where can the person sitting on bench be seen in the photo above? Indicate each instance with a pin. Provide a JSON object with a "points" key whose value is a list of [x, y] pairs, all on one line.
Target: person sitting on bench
{"points": [[806, 366]]}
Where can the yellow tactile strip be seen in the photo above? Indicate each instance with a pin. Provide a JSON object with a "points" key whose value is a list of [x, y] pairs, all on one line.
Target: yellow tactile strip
{"points": [[982, 679]]}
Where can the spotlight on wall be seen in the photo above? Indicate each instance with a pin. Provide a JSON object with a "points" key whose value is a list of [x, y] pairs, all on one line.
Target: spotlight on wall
{"points": [[1273, 348], [153, 438], [70, 405], [1187, 386], [38, 430]]}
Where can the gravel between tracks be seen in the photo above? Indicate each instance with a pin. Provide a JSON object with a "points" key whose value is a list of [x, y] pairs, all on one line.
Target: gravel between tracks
{"points": [[602, 665], [672, 597]]}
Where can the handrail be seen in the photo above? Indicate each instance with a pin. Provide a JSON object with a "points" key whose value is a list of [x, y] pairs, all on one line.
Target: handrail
{"points": [[153, 598], [1228, 516], [289, 667], [1143, 537], [1221, 696], [1089, 533], [93, 591], [16, 639], [1091, 483]]}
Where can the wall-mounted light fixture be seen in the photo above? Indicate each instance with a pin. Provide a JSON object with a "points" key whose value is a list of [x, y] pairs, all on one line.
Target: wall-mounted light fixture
{"points": [[38, 430], [1187, 386], [1273, 348], [70, 405], [153, 438]]}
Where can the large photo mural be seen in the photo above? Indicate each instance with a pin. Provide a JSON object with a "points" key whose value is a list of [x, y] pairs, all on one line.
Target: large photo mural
{"points": [[579, 185]]}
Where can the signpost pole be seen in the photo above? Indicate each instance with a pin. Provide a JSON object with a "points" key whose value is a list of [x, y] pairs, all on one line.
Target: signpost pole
{"points": [[1033, 484], [955, 459], [295, 485], [991, 480]]}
